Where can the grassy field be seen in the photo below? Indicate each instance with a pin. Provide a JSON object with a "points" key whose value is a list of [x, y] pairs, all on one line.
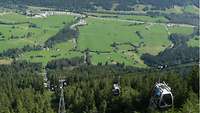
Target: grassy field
{"points": [[19, 35], [181, 30], [142, 18], [194, 42], [5, 61], [61, 50], [176, 9], [13, 17], [179, 10], [98, 35], [191, 9]]}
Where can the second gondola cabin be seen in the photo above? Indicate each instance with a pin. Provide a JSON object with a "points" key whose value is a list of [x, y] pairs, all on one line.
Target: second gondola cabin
{"points": [[116, 89], [162, 96]]}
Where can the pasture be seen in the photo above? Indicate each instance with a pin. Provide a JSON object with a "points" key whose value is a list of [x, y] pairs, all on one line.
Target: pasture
{"points": [[180, 30], [19, 30], [187, 9], [100, 34], [5, 61], [61, 50], [194, 42], [109, 40], [142, 18]]}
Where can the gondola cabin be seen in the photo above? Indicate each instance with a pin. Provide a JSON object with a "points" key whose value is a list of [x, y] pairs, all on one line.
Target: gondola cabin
{"points": [[52, 88], [162, 96], [116, 89]]}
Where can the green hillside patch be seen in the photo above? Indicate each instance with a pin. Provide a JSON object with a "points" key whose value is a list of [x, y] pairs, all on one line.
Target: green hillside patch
{"points": [[35, 32], [99, 35], [194, 42], [124, 47], [61, 50], [15, 43], [181, 30], [109, 41], [5, 61], [143, 18], [13, 18], [155, 39], [175, 9], [130, 58], [186, 9], [44, 56], [191, 9]]}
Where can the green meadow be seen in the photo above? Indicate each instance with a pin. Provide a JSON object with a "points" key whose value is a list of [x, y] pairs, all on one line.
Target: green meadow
{"points": [[180, 30], [142, 18], [98, 36], [194, 42], [18, 35], [179, 10]]}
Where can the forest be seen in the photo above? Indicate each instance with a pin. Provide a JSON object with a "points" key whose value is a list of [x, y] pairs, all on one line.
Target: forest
{"points": [[89, 89], [186, 18], [105, 4]]}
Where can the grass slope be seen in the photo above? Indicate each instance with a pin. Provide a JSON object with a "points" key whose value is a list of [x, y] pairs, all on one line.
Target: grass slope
{"points": [[45, 28], [97, 35]]}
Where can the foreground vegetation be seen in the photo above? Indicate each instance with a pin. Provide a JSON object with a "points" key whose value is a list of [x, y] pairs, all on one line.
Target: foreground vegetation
{"points": [[89, 89]]}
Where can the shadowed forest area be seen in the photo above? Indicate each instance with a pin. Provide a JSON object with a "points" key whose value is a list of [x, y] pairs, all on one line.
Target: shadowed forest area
{"points": [[105, 4]]}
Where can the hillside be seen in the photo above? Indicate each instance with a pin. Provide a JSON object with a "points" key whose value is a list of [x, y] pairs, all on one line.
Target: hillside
{"points": [[101, 38], [104, 4], [99, 56]]}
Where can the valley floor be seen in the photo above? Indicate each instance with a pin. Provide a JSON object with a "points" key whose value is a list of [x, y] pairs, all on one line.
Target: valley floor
{"points": [[109, 40]]}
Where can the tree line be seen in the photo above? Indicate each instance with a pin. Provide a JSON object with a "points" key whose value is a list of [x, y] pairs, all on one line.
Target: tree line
{"points": [[80, 5], [64, 34], [16, 52], [185, 18]]}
